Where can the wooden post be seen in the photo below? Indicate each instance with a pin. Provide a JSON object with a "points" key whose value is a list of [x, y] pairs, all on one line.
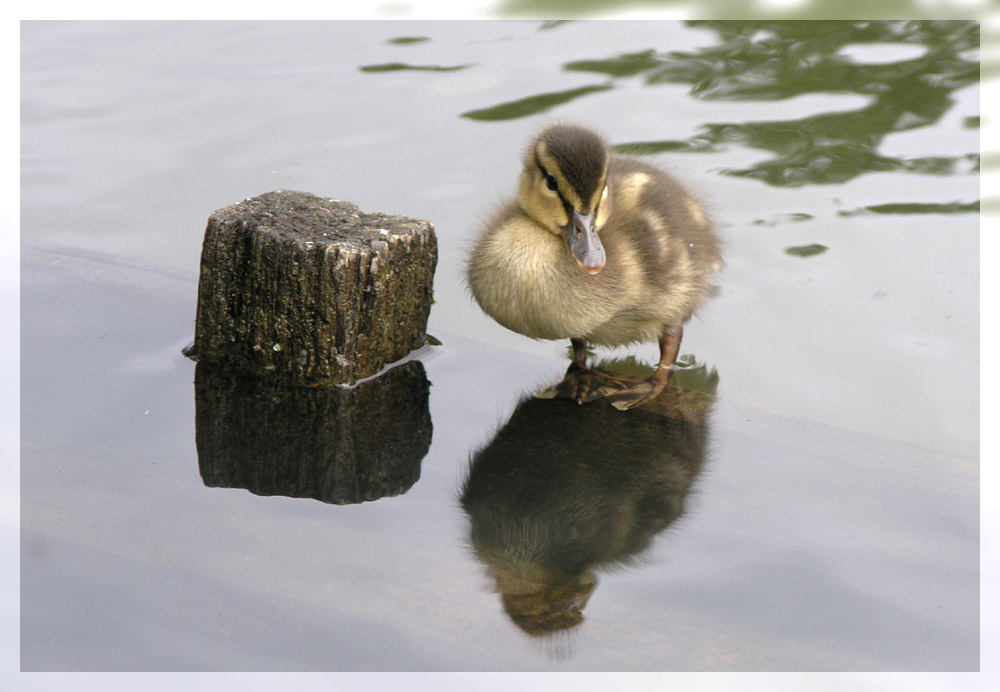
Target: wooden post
{"points": [[312, 287]]}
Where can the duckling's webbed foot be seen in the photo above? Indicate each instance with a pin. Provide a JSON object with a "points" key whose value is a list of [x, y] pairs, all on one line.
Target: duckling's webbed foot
{"points": [[583, 384], [580, 383], [629, 396]]}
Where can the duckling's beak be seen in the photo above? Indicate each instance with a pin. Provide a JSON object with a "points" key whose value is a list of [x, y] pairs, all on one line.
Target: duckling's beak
{"points": [[583, 241]]}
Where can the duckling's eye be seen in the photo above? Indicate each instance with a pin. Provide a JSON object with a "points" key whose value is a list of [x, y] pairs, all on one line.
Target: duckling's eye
{"points": [[550, 182]]}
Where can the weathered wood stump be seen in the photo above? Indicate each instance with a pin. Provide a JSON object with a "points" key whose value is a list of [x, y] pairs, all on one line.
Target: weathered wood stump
{"points": [[312, 287]]}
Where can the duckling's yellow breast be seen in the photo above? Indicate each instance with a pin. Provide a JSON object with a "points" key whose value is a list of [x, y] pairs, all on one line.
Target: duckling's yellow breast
{"points": [[523, 276]]}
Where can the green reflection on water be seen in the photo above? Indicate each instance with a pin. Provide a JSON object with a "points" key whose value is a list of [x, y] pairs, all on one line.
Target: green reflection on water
{"points": [[767, 61], [916, 208], [533, 104], [399, 66], [627, 65], [777, 60], [806, 250], [807, 9], [408, 40], [784, 218]]}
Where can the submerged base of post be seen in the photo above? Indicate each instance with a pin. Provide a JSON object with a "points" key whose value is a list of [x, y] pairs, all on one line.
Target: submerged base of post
{"points": [[340, 446], [312, 287]]}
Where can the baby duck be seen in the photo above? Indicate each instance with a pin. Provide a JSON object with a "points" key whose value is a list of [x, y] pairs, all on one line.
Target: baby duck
{"points": [[599, 249]]}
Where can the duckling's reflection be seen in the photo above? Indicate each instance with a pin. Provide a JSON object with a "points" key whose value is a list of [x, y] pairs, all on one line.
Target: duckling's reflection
{"points": [[564, 489]]}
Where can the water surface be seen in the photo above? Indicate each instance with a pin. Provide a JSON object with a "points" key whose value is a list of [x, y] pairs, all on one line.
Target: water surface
{"points": [[824, 508]]}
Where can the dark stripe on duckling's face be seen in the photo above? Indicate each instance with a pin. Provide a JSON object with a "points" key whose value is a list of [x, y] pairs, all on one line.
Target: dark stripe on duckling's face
{"points": [[580, 232], [583, 198]]}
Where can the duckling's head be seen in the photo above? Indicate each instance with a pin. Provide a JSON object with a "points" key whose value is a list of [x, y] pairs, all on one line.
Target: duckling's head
{"points": [[564, 187]]}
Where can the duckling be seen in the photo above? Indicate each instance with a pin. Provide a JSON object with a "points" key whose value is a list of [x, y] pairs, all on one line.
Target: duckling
{"points": [[600, 249]]}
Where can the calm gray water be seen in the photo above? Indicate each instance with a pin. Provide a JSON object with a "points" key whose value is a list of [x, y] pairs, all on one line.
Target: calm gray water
{"points": [[830, 512]]}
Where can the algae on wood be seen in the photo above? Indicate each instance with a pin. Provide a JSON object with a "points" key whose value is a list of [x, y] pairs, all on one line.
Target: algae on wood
{"points": [[312, 287]]}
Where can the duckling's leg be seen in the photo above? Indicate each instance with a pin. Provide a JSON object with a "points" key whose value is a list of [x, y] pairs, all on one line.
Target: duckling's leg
{"points": [[579, 353], [580, 383], [634, 396]]}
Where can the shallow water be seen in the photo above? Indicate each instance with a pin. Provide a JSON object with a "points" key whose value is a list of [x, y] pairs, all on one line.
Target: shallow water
{"points": [[833, 520]]}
